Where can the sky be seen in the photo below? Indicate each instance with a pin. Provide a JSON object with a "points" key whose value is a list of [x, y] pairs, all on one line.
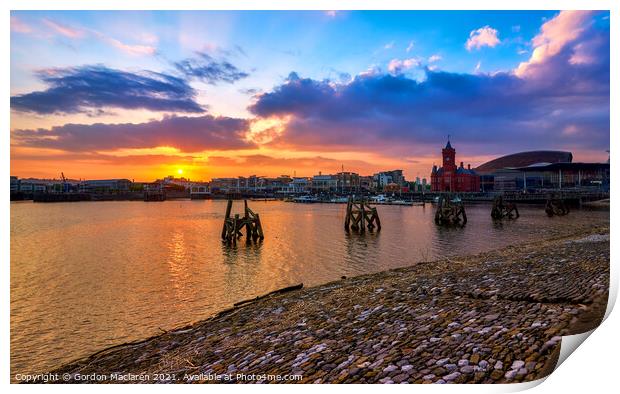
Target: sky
{"points": [[204, 94]]}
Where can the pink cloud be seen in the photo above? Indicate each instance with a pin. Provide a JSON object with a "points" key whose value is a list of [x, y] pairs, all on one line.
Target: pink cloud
{"points": [[136, 50], [397, 65], [64, 29], [434, 58], [554, 35], [19, 26], [485, 36]]}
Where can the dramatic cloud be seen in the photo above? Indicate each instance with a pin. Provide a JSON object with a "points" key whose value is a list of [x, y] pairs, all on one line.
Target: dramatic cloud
{"points": [[81, 89], [188, 134], [209, 70], [490, 111], [485, 36], [555, 35]]}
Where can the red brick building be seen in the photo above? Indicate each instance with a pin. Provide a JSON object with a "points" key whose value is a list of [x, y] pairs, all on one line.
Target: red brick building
{"points": [[450, 178]]}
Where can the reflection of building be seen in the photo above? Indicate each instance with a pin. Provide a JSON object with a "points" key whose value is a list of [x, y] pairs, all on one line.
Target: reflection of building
{"points": [[450, 178], [538, 170]]}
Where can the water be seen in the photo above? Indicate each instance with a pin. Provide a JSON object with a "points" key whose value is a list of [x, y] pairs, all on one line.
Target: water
{"points": [[88, 275]]}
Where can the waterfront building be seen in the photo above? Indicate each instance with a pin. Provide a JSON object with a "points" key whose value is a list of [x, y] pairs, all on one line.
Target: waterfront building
{"points": [[272, 185], [299, 185], [348, 182], [366, 183], [324, 183], [450, 178], [224, 185], [105, 186], [384, 178], [542, 170], [14, 184], [33, 186]]}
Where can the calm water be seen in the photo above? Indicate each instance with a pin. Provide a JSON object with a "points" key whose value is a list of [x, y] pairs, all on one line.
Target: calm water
{"points": [[88, 275]]}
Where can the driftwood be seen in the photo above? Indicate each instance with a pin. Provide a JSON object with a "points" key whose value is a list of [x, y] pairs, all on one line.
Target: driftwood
{"points": [[503, 209], [279, 291], [450, 213], [233, 226], [360, 215], [556, 206]]}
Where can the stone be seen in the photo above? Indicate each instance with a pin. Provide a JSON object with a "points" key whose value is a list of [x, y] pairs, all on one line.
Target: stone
{"points": [[451, 376], [511, 374], [390, 368], [497, 374], [399, 378], [467, 369]]}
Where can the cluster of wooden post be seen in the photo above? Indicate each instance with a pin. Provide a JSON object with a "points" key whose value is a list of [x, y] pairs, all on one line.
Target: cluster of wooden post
{"points": [[503, 209], [360, 215], [450, 213], [233, 226], [556, 206]]}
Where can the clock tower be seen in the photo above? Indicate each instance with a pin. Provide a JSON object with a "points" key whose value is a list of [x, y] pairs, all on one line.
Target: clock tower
{"points": [[449, 156]]}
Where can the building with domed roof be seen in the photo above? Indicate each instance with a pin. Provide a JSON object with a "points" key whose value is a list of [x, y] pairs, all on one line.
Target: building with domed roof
{"points": [[452, 178]]}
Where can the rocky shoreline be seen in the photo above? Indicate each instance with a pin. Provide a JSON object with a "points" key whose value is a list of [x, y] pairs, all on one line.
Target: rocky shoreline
{"points": [[496, 317]]}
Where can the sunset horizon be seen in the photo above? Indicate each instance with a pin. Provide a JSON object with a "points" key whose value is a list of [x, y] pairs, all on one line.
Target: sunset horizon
{"points": [[215, 99]]}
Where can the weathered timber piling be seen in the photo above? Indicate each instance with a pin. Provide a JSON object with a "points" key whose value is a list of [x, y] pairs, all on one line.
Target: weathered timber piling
{"points": [[503, 209], [556, 206], [360, 215], [450, 212], [233, 226]]}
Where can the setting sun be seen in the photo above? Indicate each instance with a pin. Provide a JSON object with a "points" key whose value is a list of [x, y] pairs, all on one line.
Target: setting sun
{"points": [[180, 171]]}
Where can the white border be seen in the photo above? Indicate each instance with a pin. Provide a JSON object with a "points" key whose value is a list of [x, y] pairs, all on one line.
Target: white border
{"points": [[592, 367]]}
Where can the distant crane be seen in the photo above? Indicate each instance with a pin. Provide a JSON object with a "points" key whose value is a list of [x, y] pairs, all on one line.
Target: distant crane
{"points": [[65, 185]]}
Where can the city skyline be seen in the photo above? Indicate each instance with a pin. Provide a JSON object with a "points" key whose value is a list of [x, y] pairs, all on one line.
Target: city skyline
{"points": [[142, 95]]}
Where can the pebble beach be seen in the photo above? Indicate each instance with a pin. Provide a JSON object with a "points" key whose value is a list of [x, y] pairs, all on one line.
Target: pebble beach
{"points": [[495, 317]]}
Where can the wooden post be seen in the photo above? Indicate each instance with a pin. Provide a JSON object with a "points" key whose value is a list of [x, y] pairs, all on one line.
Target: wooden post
{"points": [[347, 217], [259, 227], [226, 217], [362, 218], [376, 216], [234, 231]]}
